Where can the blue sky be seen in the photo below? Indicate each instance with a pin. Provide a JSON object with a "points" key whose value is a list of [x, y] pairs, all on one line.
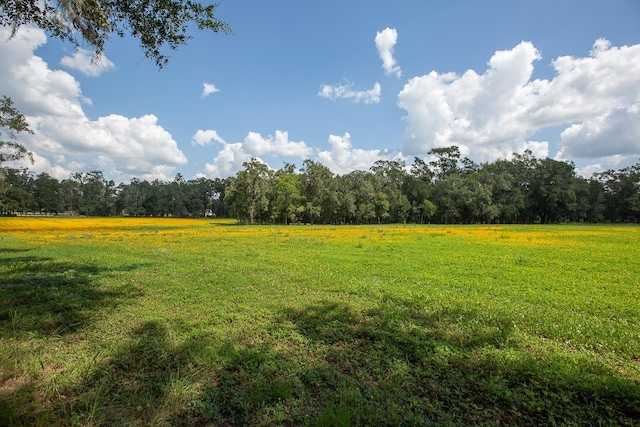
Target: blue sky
{"points": [[342, 82]]}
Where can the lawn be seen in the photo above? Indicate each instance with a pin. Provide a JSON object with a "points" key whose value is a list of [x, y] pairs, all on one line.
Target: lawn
{"points": [[124, 321]]}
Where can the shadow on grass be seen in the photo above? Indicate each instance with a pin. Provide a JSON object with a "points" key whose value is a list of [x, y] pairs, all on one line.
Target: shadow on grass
{"points": [[141, 384], [40, 299], [329, 364], [45, 297]]}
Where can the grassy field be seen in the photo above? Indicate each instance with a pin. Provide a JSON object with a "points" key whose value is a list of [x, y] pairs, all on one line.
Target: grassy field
{"points": [[201, 322]]}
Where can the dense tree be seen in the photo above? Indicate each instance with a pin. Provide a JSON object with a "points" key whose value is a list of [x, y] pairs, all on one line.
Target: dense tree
{"points": [[200, 193], [248, 193], [418, 188], [596, 201], [427, 209], [524, 189], [508, 192], [157, 24], [70, 195], [464, 199], [552, 194], [356, 192], [390, 177], [319, 191], [131, 198], [622, 194], [46, 194], [16, 191], [97, 194], [286, 196]]}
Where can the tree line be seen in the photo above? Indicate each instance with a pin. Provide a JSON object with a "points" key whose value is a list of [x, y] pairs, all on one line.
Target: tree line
{"points": [[448, 189]]}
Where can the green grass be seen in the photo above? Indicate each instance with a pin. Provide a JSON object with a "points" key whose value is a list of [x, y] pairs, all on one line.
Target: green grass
{"points": [[203, 324]]}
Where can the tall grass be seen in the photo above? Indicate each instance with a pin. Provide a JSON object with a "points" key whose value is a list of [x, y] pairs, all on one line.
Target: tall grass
{"points": [[200, 322]]}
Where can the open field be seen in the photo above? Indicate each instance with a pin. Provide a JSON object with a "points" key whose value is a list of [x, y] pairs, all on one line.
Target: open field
{"points": [[123, 321]]}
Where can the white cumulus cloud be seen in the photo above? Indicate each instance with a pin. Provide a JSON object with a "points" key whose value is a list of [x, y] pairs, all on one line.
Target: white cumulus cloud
{"points": [[385, 43], [490, 115], [343, 158], [208, 89], [227, 162], [206, 137], [345, 91], [52, 101], [84, 61], [256, 144], [229, 159]]}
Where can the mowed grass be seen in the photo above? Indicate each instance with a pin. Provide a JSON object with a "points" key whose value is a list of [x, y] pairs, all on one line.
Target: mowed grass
{"points": [[202, 322]]}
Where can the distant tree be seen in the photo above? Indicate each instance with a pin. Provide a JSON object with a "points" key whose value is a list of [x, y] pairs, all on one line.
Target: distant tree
{"points": [[421, 171], [157, 24], [176, 195], [522, 171], [418, 187], [200, 194], [218, 207], [357, 193], [552, 191], [582, 191], [97, 194], [446, 195], [70, 194], [16, 191], [446, 161], [596, 201], [131, 198], [427, 210], [465, 198], [390, 177], [507, 190], [622, 193], [248, 192], [319, 191], [158, 200], [47, 194], [286, 195], [381, 206]]}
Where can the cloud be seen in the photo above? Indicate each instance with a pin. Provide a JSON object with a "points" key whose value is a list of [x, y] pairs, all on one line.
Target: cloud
{"points": [[52, 101], [205, 137], [596, 99], [256, 144], [343, 158], [227, 162], [208, 89], [229, 159], [84, 61], [385, 42], [616, 132], [345, 91]]}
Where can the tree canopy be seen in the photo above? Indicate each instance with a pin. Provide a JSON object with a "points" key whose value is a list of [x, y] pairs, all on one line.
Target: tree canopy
{"points": [[11, 123], [158, 24]]}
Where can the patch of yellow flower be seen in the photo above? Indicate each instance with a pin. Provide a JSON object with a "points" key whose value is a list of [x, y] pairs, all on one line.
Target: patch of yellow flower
{"points": [[179, 231], [99, 230]]}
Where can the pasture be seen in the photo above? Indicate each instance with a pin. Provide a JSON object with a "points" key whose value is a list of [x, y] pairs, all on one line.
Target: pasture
{"points": [[124, 321]]}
